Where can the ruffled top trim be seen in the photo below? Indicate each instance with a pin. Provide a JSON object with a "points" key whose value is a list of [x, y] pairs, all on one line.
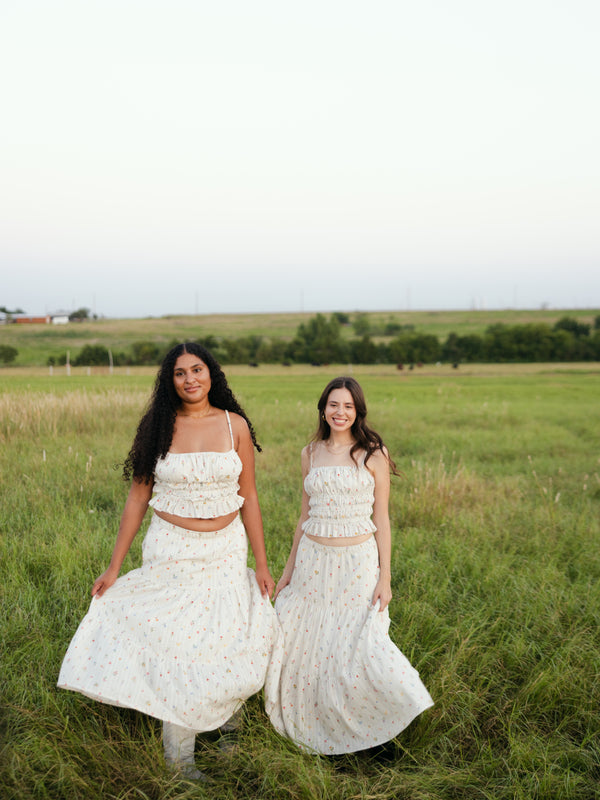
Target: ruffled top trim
{"points": [[340, 501], [202, 485]]}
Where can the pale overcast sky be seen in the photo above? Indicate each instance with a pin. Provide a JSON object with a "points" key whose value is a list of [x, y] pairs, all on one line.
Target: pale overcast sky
{"points": [[196, 157]]}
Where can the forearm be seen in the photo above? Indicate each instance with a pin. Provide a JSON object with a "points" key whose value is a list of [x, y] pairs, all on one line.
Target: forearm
{"points": [[252, 519], [383, 537], [381, 514], [384, 550], [133, 514], [131, 520], [383, 533]]}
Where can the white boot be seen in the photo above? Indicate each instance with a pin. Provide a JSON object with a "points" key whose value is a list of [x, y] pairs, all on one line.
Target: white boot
{"points": [[179, 743]]}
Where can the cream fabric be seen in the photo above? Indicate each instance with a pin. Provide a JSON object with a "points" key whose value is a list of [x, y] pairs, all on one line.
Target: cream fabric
{"points": [[344, 685], [186, 638]]}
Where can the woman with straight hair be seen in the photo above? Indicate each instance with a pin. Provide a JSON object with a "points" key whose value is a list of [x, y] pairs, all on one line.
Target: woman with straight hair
{"points": [[344, 686], [188, 636]]}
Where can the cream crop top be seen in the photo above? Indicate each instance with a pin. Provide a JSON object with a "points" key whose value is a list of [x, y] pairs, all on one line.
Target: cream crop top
{"points": [[202, 485], [341, 500]]}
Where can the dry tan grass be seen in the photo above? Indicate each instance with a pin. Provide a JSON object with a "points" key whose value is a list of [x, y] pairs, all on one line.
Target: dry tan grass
{"points": [[435, 493], [358, 370], [35, 415]]}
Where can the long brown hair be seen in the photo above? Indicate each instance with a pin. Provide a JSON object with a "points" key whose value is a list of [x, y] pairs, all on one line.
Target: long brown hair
{"points": [[365, 437], [155, 429]]}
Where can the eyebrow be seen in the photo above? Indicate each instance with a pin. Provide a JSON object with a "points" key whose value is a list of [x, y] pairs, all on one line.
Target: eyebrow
{"points": [[198, 364]]}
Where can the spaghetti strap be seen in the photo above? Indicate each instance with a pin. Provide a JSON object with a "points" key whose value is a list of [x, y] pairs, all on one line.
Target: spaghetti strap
{"points": [[230, 431], [310, 452]]}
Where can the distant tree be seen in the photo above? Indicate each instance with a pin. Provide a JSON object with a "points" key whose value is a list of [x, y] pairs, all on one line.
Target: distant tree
{"points": [[427, 347], [342, 317], [242, 350], [578, 329], [597, 322], [361, 324], [7, 354], [364, 351], [209, 341], [7, 311], [79, 315], [399, 350], [145, 353], [462, 348], [413, 348], [318, 341], [392, 328], [451, 349], [271, 351], [471, 346], [567, 341], [92, 355], [533, 342], [498, 344]]}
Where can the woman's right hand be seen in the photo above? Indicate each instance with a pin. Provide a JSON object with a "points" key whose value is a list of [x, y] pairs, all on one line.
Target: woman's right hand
{"points": [[104, 582], [283, 582]]}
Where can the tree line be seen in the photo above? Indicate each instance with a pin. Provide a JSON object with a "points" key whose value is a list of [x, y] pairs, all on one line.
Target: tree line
{"points": [[320, 340]]}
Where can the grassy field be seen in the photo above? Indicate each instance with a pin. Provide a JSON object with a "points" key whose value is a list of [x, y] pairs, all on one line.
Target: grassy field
{"points": [[496, 571], [35, 343]]}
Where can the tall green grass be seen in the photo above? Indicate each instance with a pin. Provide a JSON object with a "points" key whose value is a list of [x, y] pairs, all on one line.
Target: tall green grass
{"points": [[496, 572]]}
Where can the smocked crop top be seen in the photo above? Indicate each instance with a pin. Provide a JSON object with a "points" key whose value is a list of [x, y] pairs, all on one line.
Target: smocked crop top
{"points": [[202, 485], [340, 501]]}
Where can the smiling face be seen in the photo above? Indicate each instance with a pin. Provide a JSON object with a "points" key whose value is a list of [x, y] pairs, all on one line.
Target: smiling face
{"points": [[339, 411], [191, 379]]}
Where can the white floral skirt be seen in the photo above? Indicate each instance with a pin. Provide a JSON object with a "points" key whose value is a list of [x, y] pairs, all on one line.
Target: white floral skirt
{"points": [[186, 638], [344, 685]]}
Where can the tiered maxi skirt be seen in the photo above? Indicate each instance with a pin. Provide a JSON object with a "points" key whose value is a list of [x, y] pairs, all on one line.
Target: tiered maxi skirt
{"points": [[185, 638], [344, 685]]}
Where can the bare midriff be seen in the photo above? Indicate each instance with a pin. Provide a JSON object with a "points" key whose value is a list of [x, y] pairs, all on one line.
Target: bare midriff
{"points": [[339, 541], [197, 523]]}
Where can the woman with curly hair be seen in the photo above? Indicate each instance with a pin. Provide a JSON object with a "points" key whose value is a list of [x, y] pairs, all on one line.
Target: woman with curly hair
{"points": [[188, 636], [344, 685]]}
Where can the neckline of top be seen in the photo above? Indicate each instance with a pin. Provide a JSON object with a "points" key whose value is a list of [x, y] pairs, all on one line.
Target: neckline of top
{"points": [[316, 467]]}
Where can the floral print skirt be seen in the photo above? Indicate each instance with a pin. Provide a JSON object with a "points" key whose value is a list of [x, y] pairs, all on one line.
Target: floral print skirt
{"points": [[185, 638], [344, 685]]}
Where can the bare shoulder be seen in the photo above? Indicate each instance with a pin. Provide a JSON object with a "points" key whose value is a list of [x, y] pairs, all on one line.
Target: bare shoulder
{"points": [[305, 457], [379, 460], [382, 454], [239, 426], [238, 423]]}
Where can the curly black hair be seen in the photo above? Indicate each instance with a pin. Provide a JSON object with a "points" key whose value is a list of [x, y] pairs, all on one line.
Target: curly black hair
{"points": [[365, 437], [155, 430]]}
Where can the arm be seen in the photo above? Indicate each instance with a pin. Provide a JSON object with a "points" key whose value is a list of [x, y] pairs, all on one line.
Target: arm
{"points": [[291, 562], [379, 467], [133, 514], [251, 514]]}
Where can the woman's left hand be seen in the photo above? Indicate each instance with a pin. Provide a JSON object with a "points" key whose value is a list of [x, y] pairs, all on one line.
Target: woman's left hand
{"points": [[266, 584], [383, 593]]}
